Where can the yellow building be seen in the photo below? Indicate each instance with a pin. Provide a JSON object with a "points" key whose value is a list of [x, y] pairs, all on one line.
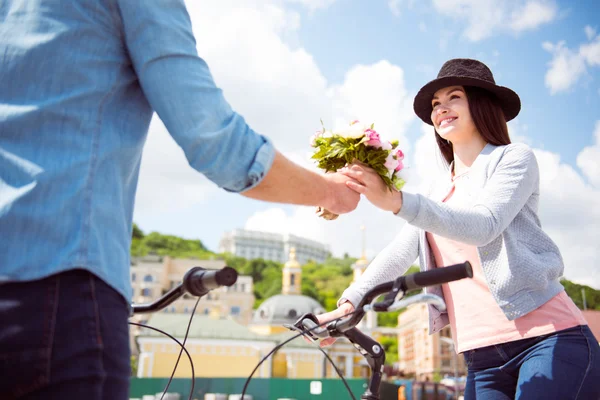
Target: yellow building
{"points": [[222, 347]]}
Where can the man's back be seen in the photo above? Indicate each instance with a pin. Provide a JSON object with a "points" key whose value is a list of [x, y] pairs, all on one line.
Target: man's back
{"points": [[78, 83]]}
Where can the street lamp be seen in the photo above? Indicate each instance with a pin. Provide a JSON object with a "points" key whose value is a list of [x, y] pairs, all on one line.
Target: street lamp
{"points": [[450, 344]]}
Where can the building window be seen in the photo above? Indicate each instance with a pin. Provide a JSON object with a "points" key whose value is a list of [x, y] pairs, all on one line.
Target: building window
{"points": [[206, 311], [148, 278], [242, 287], [292, 313], [292, 279], [235, 311], [147, 292], [133, 277]]}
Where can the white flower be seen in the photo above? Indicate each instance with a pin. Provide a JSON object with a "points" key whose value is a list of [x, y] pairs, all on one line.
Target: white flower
{"points": [[386, 145], [354, 131]]}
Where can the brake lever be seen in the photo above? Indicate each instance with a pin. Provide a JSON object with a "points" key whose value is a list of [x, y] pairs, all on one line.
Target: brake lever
{"points": [[396, 293], [298, 326]]}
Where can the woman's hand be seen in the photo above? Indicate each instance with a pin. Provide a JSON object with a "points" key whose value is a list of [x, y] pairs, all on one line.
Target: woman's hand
{"points": [[342, 310], [368, 182]]}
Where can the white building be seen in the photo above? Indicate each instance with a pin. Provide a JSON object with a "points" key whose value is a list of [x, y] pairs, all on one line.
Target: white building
{"points": [[272, 246]]}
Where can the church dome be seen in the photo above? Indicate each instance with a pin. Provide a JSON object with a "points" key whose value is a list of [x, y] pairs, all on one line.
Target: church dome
{"points": [[285, 309]]}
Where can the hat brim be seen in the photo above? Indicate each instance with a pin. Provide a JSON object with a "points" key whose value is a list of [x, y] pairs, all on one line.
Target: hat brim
{"points": [[509, 100]]}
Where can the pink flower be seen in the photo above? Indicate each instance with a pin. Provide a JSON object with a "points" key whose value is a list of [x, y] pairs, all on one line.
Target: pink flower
{"points": [[386, 145], [399, 155], [400, 165], [354, 122], [372, 137], [391, 163]]}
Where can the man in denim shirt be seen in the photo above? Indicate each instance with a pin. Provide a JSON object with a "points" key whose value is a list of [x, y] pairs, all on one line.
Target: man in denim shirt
{"points": [[79, 81]]}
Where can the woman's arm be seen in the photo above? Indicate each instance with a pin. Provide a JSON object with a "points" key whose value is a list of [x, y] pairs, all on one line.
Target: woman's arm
{"points": [[389, 264], [509, 187], [504, 195]]}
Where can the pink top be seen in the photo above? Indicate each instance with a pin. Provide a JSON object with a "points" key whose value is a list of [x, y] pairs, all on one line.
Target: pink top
{"points": [[476, 320]]}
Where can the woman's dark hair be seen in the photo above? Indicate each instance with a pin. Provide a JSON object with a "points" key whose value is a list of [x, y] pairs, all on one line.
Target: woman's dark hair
{"points": [[488, 118]]}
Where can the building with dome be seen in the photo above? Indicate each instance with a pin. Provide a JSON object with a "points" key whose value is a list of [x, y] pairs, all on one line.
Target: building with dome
{"points": [[287, 307]]}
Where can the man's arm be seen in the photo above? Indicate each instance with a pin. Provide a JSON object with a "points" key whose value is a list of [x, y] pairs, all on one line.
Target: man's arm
{"points": [[215, 139], [287, 182]]}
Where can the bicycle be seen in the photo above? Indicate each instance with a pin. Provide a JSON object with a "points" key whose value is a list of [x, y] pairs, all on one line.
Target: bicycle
{"points": [[198, 282]]}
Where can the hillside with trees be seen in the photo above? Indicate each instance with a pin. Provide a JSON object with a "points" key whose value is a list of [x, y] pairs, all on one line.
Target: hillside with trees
{"points": [[324, 282]]}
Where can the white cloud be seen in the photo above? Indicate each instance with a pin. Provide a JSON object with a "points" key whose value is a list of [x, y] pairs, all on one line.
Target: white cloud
{"points": [[589, 32], [591, 52], [570, 215], [588, 159], [486, 17], [396, 5], [565, 69], [518, 132], [532, 15], [374, 94], [568, 66], [166, 180], [313, 4]]}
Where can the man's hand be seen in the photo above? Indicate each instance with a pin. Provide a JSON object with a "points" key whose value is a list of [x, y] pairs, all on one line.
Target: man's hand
{"points": [[341, 198], [342, 310]]}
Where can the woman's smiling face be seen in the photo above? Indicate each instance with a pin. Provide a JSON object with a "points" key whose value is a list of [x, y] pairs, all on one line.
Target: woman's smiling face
{"points": [[450, 115]]}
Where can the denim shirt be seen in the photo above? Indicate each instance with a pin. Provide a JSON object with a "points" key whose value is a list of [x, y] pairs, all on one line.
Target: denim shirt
{"points": [[79, 81]]}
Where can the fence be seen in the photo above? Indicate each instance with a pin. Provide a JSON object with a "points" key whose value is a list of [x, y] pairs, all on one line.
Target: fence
{"points": [[259, 388], [293, 389]]}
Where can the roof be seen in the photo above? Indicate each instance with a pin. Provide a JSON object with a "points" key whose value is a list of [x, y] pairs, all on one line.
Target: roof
{"points": [[593, 319], [285, 309], [204, 327]]}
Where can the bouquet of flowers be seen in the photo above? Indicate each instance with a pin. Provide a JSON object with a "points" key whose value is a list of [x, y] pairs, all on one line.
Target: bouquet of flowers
{"points": [[362, 143]]}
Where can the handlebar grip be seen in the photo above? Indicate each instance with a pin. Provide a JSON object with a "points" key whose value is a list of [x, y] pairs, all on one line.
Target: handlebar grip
{"points": [[438, 276], [199, 281]]}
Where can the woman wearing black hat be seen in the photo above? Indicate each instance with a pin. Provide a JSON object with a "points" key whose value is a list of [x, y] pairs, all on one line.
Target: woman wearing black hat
{"points": [[520, 333]]}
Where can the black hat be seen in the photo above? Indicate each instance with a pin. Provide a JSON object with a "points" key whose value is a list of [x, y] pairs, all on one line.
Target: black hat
{"points": [[465, 72]]}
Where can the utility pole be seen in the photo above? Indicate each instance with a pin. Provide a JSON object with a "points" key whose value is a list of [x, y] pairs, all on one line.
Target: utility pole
{"points": [[584, 302]]}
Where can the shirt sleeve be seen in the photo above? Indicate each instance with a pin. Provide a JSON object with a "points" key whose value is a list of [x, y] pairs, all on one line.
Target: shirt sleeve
{"points": [[393, 261], [506, 192], [179, 86]]}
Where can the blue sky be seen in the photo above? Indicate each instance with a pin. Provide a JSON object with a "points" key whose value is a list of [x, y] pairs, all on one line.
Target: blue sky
{"points": [[284, 64], [364, 32]]}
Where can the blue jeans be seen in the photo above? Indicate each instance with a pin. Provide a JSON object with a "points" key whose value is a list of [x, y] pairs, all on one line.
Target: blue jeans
{"points": [[563, 365], [63, 337]]}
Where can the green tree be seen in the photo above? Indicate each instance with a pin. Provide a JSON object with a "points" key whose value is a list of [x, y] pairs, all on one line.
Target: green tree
{"points": [[137, 232], [574, 290], [390, 345]]}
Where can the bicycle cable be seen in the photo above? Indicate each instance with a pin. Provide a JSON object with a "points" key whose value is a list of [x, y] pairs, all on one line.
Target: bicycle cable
{"points": [[280, 345], [182, 348], [187, 331]]}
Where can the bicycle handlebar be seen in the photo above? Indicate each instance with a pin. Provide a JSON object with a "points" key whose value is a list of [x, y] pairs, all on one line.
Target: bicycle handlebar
{"points": [[197, 281], [394, 290]]}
